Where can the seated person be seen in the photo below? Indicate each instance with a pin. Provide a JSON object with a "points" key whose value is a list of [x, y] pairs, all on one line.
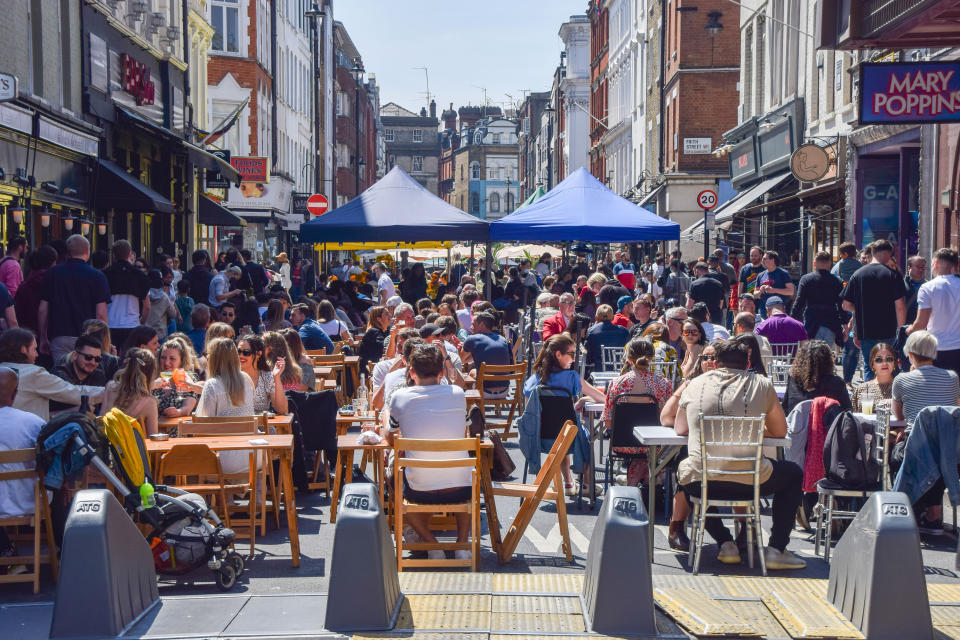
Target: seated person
{"points": [[386, 365], [395, 379], [19, 431], [450, 341], [925, 385], [701, 313], [430, 410], [312, 335], [486, 346], [604, 333], [624, 315], [433, 334], [131, 390], [883, 362], [731, 390], [812, 374], [559, 321], [81, 366], [779, 328], [746, 322], [200, 320]]}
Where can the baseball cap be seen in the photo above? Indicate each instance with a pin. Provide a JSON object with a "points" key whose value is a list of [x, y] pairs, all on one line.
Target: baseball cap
{"points": [[394, 301], [772, 300], [622, 302], [430, 329]]}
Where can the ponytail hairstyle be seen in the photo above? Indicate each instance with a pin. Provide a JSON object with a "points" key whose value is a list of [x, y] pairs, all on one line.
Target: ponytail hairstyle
{"points": [[640, 354], [140, 369], [546, 363]]}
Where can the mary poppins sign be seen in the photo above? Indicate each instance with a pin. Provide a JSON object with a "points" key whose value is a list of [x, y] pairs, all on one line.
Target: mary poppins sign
{"points": [[910, 92]]}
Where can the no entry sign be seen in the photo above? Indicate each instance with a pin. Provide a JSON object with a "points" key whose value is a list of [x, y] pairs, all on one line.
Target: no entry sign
{"points": [[317, 204]]}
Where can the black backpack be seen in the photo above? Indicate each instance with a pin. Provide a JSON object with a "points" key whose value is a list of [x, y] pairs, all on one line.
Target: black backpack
{"points": [[850, 453]]}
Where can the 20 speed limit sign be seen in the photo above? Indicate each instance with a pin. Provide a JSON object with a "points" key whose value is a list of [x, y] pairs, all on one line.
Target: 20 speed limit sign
{"points": [[707, 199]]}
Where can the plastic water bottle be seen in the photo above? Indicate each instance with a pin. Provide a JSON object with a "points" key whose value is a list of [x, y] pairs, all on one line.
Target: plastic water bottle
{"points": [[147, 497], [362, 401]]}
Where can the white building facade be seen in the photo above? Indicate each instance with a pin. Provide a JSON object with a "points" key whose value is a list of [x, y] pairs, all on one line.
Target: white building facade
{"points": [[574, 140]]}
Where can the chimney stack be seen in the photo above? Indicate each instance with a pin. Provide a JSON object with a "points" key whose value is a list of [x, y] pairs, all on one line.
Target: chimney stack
{"points": [[433, 108]]}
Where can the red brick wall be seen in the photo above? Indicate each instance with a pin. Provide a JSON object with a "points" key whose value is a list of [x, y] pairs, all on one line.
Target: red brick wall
{"points": [[706, 107], [599, 51]]}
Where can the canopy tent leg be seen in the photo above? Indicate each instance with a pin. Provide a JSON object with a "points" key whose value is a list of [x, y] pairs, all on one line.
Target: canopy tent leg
{"points": [[470, 266], [488, 275]]}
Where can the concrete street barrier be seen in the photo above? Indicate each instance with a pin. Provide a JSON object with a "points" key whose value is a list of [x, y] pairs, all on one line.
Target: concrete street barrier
{"points": [[876, 577], [618, 587], [364, 590], [107, 577]]}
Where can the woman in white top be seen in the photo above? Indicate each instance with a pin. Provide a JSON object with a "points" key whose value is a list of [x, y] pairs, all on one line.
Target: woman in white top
{"points": [[130, 390], [284, 271], [227, 393], [18, 351], [267, 382], [331, 324]]}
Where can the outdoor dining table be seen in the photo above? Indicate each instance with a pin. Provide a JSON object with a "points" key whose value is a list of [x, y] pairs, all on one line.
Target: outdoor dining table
{"points": [[281, 422], [349, 443], [346, 420], [657, 439], [280, 445]]}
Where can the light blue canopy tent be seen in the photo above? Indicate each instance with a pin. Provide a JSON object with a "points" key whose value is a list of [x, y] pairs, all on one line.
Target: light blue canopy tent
{"points": [[581, 208]]}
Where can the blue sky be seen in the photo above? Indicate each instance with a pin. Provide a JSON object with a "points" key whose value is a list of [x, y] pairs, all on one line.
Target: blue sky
{"points": [[504, 45]]}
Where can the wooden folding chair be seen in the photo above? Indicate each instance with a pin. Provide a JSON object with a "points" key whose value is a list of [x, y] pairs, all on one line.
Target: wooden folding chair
{"points": [[185, 460], [497, 375], [339, 371], [315, 352], [402, 448], [33, 520], [532, 494], [242, 426]]}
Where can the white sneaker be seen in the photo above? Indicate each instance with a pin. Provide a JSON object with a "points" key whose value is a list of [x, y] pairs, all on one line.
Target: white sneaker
{"points": [[729, 553], [462, 554], [571, 488], [410, 535], [776, 559], [436, 554]]}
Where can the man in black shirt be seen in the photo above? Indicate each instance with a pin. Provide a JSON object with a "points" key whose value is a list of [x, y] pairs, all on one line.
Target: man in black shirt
{"points": [[708, 290], [818, 304], [200, 276], [726, 279], [81, 367], [875, 295]]}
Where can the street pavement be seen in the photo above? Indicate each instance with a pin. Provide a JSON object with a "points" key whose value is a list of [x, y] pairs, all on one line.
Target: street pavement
{"points": [[270, 571]]}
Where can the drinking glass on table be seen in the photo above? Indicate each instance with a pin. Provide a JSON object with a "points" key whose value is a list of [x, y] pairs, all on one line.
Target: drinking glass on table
{"points": [[866, 403]]}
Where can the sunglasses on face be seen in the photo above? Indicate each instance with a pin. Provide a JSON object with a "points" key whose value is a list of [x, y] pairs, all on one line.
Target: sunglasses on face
{"points": [[90, 358], [690, 332], [884, 359], [570, 353], [245, 352], [708, 358]]}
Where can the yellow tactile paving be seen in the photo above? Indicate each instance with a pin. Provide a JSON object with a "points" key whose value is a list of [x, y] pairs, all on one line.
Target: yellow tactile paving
{"points": [[536, 604], [437, 620], [757, 587], [809, 616], [449, 602], [948, 616], [701, 615], [943, 592], [710, 586], [537, 583], [495, 636], [757, 615], [537, 622], [420, 636], [948, 631], [424, 582]]}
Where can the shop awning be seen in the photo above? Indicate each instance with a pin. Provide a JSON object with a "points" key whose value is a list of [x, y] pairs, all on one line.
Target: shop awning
{"points": [[374, 246], [148, 125], [746, 198], [647, 201], [206, 160], [117, 189], [215, 214]]}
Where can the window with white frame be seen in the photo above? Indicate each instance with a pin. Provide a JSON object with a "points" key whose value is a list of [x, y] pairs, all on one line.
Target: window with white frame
{"points": [[418, 135], [495, 202], [474, 170], [225, 20], [474, 202], [496, 138], [417, 164], [388, 135]]}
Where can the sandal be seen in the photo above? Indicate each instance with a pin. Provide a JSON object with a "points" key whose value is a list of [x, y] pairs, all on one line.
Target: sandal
{"points": [[571, 488]]}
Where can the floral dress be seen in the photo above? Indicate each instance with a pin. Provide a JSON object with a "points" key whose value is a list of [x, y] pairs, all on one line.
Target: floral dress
{"points": [[655, 385]]}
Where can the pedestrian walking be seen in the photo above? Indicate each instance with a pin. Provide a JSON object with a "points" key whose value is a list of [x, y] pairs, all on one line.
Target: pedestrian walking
{"points": [[818, 305], [938, 302]]}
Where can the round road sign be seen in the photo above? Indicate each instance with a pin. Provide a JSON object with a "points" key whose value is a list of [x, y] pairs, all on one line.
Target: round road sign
{"points": [[707, 199], [317, 204]]}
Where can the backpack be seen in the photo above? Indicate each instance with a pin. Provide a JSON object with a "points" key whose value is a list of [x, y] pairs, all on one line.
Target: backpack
{"points": [[850, 453]]}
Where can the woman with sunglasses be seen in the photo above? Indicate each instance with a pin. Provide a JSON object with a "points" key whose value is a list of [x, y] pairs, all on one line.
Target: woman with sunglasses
{"points": [[883, 362], [267, 383], [553, 368], [707, 361], [694, 340]]}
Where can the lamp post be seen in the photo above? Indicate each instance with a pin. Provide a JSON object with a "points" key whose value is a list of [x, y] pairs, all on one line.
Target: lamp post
{"points": [[357, 77], [507, 203], [549, 110], [314, 14]]}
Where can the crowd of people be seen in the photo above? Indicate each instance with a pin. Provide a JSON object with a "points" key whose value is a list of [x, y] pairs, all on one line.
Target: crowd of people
{"points": [[229, 337]]}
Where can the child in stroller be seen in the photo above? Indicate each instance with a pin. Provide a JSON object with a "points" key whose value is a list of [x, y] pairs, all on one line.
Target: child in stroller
{"points": [[183, 532]]}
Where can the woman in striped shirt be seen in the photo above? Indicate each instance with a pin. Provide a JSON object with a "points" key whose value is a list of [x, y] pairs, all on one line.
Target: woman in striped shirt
{"points": [[924, 385]]}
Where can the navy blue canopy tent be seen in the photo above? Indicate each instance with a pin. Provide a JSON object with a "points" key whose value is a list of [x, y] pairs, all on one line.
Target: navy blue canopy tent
{"points": [[395, 209], [581, 208]]}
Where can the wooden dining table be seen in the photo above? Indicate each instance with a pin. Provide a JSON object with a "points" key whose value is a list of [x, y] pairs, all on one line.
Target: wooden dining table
{"points": [[280, 445], [349, 443], [281, 422]]}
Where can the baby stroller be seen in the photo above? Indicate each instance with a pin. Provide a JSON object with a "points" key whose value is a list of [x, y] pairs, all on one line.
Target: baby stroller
{"points": [[183, 532]]}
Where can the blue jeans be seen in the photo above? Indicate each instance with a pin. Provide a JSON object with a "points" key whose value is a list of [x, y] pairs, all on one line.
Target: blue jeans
{"points": [[866, 346], [851, 354], [827, 335]]}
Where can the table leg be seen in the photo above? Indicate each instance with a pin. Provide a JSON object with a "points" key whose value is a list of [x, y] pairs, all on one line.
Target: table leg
{"points": [[344, 465], [652, 491], [290, 505], [378, 473], [486, 486]]}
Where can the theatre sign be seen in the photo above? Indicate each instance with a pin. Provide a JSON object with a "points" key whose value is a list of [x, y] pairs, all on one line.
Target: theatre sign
{"points": [[909, 92]]}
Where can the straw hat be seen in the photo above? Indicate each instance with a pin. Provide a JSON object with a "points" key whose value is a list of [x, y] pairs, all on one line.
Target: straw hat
{"points": [[282, 257]]}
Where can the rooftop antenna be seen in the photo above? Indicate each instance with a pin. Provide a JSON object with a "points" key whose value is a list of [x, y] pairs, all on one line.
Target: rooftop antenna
{"points": [[485, 101], [427, 93]]}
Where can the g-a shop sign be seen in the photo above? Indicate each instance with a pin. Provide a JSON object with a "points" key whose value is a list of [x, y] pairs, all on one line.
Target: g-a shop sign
{"points": [[910, 92], [136, 80], [252, 168]]}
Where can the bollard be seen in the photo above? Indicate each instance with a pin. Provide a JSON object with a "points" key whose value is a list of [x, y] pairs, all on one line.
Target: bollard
{"points": [[619, 555], [364, 592], [877, 563], [107, 577]]}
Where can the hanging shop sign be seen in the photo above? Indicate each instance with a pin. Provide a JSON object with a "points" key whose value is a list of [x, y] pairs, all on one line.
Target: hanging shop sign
{"points": [[809, 163], [215, 179], [136, 80], [918, 92], [300, 203], [252, 168], [8, 87]]}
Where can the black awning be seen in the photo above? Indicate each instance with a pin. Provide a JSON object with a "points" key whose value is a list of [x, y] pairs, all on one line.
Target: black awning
{"points": [[206, 160], [214, 214], [117, 189]]}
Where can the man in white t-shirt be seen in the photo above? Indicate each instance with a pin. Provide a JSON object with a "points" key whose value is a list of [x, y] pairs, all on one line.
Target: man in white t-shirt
{"points": [[937, 303], [431, 410], [385, 286], [382, 368], [18, 430]]}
